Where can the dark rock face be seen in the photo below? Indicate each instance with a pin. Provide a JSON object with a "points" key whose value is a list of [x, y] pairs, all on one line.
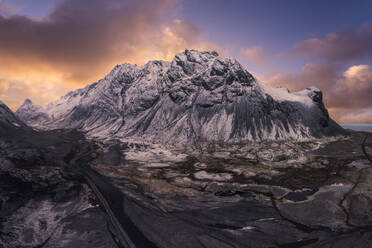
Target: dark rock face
{"points": [[43, 202], [198, 97], [359, 201], [9, 121]]}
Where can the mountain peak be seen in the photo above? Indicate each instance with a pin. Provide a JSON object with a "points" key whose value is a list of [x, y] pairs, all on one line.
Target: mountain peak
{"points": [[195, 56], [29, 111], [197, 97], [27, 105]]}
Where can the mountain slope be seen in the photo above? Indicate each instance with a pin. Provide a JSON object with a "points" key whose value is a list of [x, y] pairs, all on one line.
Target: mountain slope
{"points": [[28, 111], [9, 122], [197, 97]]}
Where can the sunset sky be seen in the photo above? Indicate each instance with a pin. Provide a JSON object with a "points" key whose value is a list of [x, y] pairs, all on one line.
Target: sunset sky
{"points": [[49, 47]]}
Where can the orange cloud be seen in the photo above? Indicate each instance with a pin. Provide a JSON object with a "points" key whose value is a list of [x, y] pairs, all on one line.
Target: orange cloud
{"points": [[255, 54], [359, 77], [349, 45], [78, 44], [357, 118], [3, 86], [347, 92]]}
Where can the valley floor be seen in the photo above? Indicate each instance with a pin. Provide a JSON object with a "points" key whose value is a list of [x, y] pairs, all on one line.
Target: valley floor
{"points": [[277, 194]]}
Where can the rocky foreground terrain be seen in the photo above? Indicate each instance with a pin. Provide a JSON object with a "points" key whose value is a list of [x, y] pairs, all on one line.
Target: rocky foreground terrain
{"points": [[275, 194], [315, 194], [43, 202], [190, 153]]}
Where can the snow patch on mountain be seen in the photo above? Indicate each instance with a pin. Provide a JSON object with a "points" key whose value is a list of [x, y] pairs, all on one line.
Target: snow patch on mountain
{"points": [[283, 94]]}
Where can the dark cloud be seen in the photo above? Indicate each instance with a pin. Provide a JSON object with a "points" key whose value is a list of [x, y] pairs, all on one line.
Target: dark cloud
{"points": [[8, 9], [80, 41], [79, 34], [347, 92], [345, 46], [255, 54]]}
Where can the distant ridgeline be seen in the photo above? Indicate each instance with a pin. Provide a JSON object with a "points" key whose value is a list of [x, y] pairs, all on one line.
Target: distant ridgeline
{"points": [[358, 127]]}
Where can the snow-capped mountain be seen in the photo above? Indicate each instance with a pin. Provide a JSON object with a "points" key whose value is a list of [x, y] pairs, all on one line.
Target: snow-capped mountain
{"points": [[30, 112], [196, 97]]}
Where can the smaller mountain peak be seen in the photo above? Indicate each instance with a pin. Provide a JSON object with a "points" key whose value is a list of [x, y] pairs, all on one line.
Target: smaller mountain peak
{"points": [[26, 106], [126, 68], [27, 101]]}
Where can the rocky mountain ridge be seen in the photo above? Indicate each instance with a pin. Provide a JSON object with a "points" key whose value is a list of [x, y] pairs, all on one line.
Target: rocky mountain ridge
{"points": [[197, 97]]}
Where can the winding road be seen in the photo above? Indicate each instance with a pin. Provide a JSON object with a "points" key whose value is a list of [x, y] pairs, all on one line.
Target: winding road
{"points": [[113, 201]]}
